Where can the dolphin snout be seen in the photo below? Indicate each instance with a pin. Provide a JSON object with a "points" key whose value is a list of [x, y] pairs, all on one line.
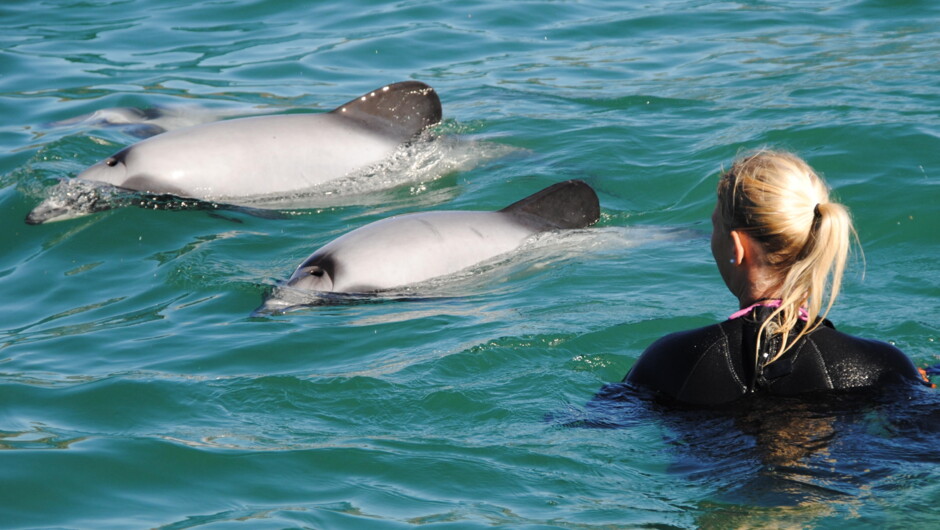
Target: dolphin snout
{"points": [[283, 299], [48, 211], [273, 306]]}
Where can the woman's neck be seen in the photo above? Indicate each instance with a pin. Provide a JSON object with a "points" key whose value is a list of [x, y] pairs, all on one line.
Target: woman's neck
{"points": [[758, 287]]}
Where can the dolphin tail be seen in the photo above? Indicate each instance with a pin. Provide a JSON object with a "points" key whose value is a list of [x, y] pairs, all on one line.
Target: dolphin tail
{"points": [[569, 204], [401, 110]]}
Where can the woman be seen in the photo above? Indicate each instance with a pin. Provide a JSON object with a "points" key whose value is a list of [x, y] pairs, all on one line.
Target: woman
{"points": [[780, 245]]}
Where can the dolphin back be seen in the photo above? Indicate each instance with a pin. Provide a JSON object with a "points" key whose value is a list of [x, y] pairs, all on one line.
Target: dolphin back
{"points": [[400, 110], [569, 204]]}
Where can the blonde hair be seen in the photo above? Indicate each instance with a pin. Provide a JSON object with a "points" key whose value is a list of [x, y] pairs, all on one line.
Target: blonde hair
{"points": [[777, 198]]}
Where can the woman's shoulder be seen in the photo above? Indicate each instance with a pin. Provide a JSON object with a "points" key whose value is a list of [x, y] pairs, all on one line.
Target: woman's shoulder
{"points": [[855, 361], [689, 342], [679, 363]]}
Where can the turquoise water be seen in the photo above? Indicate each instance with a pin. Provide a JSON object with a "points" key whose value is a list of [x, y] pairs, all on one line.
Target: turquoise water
{"points": [[137, 391]]}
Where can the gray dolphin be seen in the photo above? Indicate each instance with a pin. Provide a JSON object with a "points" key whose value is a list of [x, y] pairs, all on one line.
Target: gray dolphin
{"points": [[264, 155], [147, 122], [412, 248]]}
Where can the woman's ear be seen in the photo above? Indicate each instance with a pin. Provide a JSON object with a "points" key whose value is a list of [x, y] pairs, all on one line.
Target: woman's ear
{"points": [[740, 250], [746, 249]]}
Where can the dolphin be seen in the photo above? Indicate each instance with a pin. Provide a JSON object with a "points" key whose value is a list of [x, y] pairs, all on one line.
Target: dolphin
{"points": [[264, 155], [146, 122], [411, 248]]}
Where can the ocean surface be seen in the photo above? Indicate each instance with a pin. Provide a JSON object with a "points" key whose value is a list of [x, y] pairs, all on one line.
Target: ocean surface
{"points": [[138, 391]]}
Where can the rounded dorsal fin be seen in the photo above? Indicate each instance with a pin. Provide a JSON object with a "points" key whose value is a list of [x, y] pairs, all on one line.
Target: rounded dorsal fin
{"points": [[569, 204], [402, 110]]}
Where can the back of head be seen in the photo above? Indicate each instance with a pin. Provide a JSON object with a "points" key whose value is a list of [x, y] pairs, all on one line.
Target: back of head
{"points": [[777, 199]]}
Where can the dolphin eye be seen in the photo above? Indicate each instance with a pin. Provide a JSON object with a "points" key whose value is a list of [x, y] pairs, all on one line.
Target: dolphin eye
{"points": [[111, 162], [316, 271]]}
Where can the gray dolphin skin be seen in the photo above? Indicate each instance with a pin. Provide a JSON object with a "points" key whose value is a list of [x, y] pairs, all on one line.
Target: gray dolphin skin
{"points": [[265, 155], [412, 248]]}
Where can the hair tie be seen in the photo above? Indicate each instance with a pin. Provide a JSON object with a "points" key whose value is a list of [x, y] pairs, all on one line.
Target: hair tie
{"points": [[811, 238]]}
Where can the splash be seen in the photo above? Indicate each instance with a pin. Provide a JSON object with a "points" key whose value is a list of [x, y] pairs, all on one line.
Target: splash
{"points": [[73, 198]]}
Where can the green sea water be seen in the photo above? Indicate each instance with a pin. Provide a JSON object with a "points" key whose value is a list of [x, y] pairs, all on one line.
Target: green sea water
{"points": [[137, 391]]}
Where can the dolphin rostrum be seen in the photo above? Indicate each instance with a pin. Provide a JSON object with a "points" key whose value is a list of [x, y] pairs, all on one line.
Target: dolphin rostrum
{"points": [[411, 248], [264, 155]]}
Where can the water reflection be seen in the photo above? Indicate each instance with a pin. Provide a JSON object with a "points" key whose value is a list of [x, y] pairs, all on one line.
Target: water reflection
{"points": [[776, 460]]}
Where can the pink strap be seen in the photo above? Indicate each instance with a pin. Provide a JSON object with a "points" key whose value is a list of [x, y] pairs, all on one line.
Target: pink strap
{"points": [[766, 303]]}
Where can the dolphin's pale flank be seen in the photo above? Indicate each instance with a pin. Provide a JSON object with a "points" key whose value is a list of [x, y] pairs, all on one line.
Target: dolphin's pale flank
{"points": [[412, 248], [267, 155]]}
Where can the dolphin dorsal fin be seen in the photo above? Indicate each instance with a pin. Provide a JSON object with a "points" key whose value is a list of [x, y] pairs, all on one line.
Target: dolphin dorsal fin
{"points": [[569, 204], [402, 110]]}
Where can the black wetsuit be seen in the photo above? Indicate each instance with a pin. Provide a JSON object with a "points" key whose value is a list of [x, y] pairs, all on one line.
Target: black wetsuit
{"points": [[716, 364]]}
